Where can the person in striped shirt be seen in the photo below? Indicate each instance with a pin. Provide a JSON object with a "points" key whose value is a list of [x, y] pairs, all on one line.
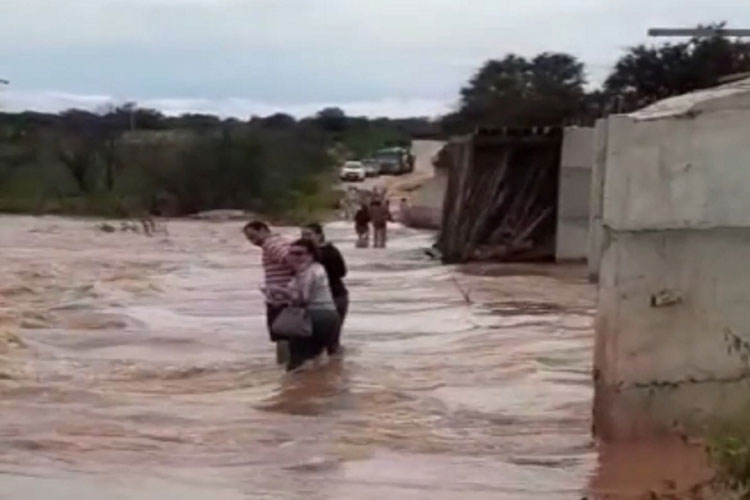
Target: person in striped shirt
{"points": [[278, 272]]}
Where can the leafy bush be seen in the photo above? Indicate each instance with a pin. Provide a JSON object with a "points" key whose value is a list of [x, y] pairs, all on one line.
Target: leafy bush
{"points": [[84, 163], [730, 453]]}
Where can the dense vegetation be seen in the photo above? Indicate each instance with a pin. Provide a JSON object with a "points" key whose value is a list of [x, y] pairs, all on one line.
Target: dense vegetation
{"points": [[128, 161]]}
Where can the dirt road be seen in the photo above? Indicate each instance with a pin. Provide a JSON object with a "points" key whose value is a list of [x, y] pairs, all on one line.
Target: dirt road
{"points": [[400, 186]]}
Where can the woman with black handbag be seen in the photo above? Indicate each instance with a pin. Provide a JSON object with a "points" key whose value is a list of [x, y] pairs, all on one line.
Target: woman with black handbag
{"points": [[310, 322], [333, 262]]}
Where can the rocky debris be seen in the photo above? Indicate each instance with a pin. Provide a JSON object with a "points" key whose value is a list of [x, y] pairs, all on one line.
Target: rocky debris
{"points": [[433, 252], [145, 225], [222, 215], [129, 226]]}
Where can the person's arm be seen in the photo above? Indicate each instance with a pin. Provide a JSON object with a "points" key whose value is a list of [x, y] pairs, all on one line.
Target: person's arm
{"points": [[291, 294], [279, 294], [337, 262], [301, 287], [278, 250]]}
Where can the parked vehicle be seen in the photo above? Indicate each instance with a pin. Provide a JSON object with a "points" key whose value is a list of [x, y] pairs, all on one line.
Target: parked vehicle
{"points": [[410, 160], [392, 161], [353, 171], [372, 167]]}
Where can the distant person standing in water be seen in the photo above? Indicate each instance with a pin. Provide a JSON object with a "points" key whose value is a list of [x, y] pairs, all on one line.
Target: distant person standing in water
{"points": [[362, 226], [335, 266], [380, 215], [278, 271]]}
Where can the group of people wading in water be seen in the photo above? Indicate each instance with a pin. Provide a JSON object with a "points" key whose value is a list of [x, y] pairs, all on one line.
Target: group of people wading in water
{"points": [[377, 214], [306, 299], [371, 212], [304, 277]]}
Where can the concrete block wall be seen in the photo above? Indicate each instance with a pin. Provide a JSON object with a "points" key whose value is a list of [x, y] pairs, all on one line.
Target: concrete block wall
{"points": [[425, 208], [596, 236], [674, 278], [668, 300], [574, 194], [426, 204]]}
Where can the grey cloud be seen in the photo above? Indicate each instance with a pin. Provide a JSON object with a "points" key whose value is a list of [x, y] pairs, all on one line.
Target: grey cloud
{"points": [[299, 51]]}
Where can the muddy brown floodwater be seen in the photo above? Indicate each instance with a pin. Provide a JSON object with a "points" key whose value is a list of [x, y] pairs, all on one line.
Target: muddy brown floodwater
{"points": [[139, 368]]}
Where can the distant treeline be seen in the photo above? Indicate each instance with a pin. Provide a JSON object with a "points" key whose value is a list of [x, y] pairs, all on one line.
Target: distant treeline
{"points": [[128, 161]]}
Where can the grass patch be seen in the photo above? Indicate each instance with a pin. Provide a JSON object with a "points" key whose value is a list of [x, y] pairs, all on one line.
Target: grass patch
{"points": [[730, 453]]}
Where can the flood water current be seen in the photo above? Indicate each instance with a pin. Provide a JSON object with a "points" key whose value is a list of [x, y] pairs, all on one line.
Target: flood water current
{"points": [[139, 368]]}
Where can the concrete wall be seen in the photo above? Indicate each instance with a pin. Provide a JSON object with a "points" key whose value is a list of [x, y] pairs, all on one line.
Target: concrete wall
{"points": [[426, 203], [596, 236], [431, 193], [574, 194], [674, 288]]}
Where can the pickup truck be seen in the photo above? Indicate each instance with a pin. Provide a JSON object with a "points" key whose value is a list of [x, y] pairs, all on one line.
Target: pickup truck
{"points": [[394, 161]]}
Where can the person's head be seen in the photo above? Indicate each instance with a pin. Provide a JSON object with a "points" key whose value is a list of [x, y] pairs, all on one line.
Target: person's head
{"points": [[314, 233], [257, 232], [302, 253], [375, 203]]}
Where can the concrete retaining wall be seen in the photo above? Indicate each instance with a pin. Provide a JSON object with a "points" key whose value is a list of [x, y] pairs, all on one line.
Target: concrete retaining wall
{"points": [[426, 204], [422, 217], [574, 194], [596, 236], [672, 332]]}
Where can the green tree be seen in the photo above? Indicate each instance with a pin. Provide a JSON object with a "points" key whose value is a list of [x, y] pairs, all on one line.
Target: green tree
{"points": [[193, 121], [332, 119], [515, 91], [646, 74], [78, 146], [278, 120], [220, 169]]}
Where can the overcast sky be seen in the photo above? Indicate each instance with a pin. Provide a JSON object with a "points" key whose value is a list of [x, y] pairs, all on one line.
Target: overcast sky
{"points": [[242, 57]]}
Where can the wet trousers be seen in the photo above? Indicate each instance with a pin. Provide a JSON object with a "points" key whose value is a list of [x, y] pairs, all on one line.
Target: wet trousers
{"points": [[342, 308], [379, 237], [326, 327]]}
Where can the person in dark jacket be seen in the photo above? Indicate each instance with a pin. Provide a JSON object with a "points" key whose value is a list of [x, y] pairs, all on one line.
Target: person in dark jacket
{"points": [[333, 262], [362, 226]]}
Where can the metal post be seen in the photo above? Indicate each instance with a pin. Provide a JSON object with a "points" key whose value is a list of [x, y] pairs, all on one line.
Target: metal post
{"points": [[698, 32], [4, 82]]}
